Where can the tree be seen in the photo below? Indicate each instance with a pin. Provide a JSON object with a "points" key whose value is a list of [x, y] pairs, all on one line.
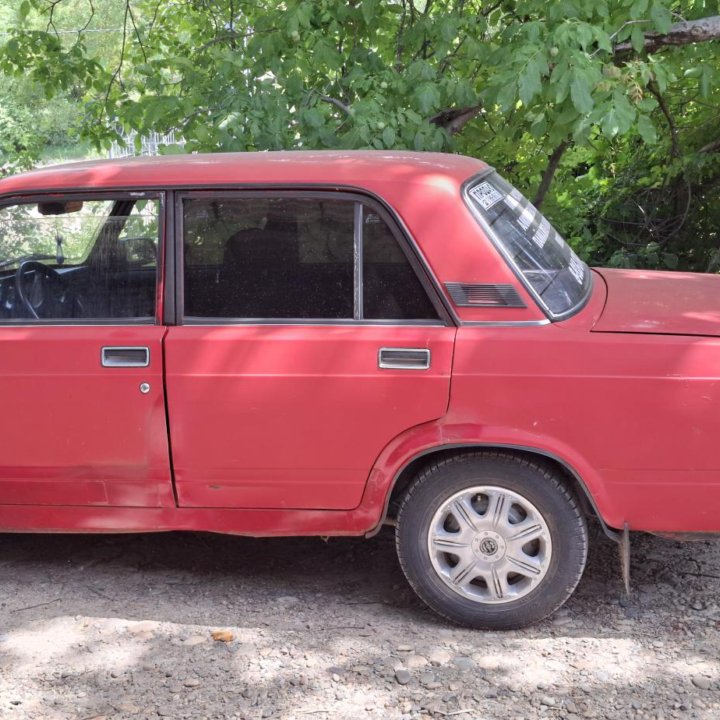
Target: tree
{"points": [[38, 118], [539, 89]]}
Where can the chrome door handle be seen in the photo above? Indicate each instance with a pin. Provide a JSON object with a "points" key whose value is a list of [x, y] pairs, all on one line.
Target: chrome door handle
{"points": [[125, 356], [404, 358]]}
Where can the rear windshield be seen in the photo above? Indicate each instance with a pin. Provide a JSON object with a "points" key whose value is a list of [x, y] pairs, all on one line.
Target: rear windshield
{"points": [[545, 262]]}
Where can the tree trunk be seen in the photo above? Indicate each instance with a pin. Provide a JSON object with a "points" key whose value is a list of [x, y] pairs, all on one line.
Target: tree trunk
{"points": [[549, 173], [681, 33]]}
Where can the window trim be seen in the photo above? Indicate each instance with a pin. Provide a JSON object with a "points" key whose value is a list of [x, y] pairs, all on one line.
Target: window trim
{"points": [[408, 246], [500, 247], [91, 195], [358, 246]]}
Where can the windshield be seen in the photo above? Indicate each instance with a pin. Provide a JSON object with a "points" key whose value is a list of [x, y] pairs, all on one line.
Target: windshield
{"points": [[545, 262]]}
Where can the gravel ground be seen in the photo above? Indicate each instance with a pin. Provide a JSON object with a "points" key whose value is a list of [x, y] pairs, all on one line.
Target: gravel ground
{"points": [[121, 627]]}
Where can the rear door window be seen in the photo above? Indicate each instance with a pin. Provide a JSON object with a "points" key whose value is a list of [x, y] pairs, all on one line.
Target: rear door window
{"points": [[264, 257]]}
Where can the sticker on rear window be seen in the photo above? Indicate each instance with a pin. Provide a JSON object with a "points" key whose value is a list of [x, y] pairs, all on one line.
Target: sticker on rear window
{"points": [[512, 201], [486, 195], [527, 217], [542, 233], [577, 268]]}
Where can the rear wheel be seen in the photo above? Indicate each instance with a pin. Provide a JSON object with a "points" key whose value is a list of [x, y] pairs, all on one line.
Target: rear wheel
{"points": [[491, 540]]}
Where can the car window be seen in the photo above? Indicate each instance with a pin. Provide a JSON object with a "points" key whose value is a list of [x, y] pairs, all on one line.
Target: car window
{"points": [[269, 258], [391, 288], [537, 252], [79, 259]]}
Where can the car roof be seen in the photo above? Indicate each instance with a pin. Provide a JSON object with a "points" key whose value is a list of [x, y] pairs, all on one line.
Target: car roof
{"points": [[356, 168]]}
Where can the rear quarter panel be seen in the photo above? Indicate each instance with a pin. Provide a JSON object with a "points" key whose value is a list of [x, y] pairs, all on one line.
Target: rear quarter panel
{"points": [[636, 416]]}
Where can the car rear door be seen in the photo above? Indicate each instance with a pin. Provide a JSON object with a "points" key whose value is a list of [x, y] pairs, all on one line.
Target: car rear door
{"points": [[310, 337], [83, 411]]}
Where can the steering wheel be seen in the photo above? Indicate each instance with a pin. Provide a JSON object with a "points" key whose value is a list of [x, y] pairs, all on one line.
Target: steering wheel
{"points": [[45, 293]]}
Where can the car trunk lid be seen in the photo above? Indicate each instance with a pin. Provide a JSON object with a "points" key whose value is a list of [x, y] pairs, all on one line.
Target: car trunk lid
{"points": [[661, 303]]}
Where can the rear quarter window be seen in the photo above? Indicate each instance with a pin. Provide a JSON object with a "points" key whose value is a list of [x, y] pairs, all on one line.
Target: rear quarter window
{"points": [[537, 253]]}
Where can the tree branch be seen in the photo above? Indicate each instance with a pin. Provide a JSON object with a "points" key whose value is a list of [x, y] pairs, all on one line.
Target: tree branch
{"points": [[337, 103], [674, 139], [547, 176], [455, 119], [681, 33], [400, 46], [137, 32], [51, 18], [89, 20], [116, 74], [711, 147]]}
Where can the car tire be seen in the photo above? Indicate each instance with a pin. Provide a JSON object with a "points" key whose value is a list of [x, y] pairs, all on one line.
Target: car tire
{"points": [[492, 540]]}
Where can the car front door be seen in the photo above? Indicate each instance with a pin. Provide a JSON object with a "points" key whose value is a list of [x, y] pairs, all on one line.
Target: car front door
{"points": [[83, 414], [310, 338]]}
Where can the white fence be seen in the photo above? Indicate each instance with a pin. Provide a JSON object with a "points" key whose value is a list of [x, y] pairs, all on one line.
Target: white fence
{"points": [[149, 144]]}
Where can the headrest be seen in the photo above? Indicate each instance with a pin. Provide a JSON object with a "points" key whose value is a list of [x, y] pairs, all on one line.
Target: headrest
{"points": [[260, 247]]}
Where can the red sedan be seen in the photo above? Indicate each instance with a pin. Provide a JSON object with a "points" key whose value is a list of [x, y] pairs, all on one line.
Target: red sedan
{"points": [[321, 343]]}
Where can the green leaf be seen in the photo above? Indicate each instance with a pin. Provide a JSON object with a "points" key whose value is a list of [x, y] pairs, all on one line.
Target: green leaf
{"points": [[581, 133], [661, 17], [506, 96], [24, 9], [580, 93], [294, 85], [388, 137], [671, 260], [326, 56], [314, 118], [647, 129], [603, 40], [539, 126], [304, 14], [637, 38], [706, 81], [529, 83], [369, 10], [638, 8], [619, 117], [584, 35], [202, 133], [647, 104], [427, 97]]}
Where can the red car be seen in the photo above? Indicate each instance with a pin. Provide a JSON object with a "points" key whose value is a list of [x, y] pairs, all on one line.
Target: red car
{"points": [[321, 343]]}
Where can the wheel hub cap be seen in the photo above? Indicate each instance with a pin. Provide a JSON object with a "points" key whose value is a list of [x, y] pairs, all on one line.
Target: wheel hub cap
{"points": [[489, 544]]}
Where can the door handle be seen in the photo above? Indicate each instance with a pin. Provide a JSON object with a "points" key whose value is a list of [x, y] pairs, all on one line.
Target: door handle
{"points": [[404, 358], [125, 356]]}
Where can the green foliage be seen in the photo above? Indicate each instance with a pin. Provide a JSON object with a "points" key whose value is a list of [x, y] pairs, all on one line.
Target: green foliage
{"points": [[44, 78], [30, 124], [505, 81]]}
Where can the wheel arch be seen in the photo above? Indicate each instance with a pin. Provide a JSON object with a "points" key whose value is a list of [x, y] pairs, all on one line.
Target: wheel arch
{"points": [[405, 475]]}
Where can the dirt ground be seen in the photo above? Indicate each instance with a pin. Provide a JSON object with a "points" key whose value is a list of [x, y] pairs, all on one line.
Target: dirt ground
{"points": [[120, 627]]}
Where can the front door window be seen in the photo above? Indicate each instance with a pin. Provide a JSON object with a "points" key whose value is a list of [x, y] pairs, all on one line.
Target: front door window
{"points": [[79, 259]]}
